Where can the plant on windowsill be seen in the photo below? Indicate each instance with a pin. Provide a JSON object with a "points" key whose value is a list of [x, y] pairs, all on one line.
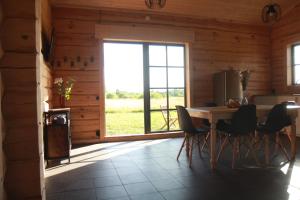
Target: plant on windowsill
{"points": [[64, 89], [244, 78]]}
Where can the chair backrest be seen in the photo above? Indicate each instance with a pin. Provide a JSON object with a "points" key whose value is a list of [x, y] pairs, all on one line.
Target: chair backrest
{"points": [[277, 118], [244, 120], [185, 120]]}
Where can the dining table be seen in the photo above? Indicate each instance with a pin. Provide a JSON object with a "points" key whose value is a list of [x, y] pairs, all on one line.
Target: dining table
{"points": [[213, 114]]}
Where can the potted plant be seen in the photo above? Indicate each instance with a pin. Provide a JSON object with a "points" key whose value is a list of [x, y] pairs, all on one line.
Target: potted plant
{"points": [[64, 89], [244, 78]]}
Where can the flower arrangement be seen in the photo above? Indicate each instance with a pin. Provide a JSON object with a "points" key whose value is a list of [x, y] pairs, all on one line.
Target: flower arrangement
{"points": [[64, 88], [244, 78]]}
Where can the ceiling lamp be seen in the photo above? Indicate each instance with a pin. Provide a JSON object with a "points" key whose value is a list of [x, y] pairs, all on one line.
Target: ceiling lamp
{"points": [[155, 4], [271, 13]]}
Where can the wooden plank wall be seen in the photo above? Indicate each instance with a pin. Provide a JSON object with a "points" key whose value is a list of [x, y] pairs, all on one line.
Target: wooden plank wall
{"points": [[218, 46], [46, 69], [20, 35], [284, 33], [2, 132]]}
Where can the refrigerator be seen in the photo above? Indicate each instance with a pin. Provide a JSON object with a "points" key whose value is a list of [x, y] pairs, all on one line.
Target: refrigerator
{"points": [[227, 85]]}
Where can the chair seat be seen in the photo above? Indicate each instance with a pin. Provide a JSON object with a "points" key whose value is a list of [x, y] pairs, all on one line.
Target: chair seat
{"points": [[223, 126], [202, 130]]}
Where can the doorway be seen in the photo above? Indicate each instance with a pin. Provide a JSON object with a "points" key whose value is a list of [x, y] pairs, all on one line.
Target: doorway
{"points": [[143, 83]]}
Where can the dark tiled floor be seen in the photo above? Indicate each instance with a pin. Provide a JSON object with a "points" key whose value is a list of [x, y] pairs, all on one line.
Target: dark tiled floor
{"points": [[148, 170]]}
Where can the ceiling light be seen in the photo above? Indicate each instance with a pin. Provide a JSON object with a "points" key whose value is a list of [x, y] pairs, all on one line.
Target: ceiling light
{"points": [[155, 4], [271, 13]]}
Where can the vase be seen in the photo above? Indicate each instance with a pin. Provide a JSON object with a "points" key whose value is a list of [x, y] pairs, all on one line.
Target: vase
{"points": [[62, 101], [244, 98]]}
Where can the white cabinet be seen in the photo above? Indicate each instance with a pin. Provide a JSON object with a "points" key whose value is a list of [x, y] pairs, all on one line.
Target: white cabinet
{"points": [[275, 99]]}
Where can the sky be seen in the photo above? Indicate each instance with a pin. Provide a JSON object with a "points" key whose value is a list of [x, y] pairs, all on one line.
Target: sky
{"points": [[123, 66]]}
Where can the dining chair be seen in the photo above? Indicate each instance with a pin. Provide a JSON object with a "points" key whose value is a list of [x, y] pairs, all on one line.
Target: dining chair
{"points": [[172, 120], [192, 134], [277, 120], [238, 132]]}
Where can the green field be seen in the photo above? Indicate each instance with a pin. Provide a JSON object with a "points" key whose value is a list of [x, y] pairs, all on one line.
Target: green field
{"points": [[126, 116]]}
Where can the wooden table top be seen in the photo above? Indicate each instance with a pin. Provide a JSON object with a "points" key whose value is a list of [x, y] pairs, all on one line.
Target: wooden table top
{"points": [[223, 109]]}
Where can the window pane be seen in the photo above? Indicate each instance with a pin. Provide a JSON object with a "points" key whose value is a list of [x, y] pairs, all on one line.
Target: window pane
{"points": [[158, 77], [297, 54], [176, 77], [297, 74], [175, 56], [158, 121], [157, 55], [158, 99], [176, 97]]}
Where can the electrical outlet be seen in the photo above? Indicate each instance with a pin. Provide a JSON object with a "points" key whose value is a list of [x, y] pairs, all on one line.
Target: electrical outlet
{"points": [[98, 133]]}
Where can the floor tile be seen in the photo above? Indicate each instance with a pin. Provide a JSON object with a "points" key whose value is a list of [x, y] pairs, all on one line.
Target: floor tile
{"points": [[111, 192], [80, 184], [80, 195], [166, 184], [139, 188], [133, 178], [107, 181], [150, 196]]}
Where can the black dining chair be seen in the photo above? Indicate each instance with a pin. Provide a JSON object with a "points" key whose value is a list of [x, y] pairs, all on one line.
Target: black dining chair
{"points": [[192, 134], [242, 125], [276, 121]]}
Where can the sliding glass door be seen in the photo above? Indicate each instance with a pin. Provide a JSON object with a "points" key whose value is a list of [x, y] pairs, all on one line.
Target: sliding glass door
{"points": [[143, 83]]}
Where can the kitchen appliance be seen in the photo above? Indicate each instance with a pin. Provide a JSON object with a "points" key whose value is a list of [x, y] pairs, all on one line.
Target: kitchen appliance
{"points": [[227, 85]]}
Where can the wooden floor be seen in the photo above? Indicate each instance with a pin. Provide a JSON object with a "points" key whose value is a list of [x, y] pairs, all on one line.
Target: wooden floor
{"points": [[148, 170]]}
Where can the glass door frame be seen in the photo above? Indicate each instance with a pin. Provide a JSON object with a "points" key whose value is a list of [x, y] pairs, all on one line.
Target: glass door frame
{"points": [[147, 88], [146, 81]]}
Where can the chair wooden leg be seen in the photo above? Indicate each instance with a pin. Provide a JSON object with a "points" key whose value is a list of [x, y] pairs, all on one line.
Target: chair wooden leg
{"points": [[205, 142], [191, 151], [181, 147], [199, 148], [283, 149], [267, 149], [187, 144], [253, 151], [223, 145], [172, 122], [234, 151]]}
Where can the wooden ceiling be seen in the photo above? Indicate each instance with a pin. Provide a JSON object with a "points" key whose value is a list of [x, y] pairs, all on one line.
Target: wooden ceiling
{"points": [[237, 11]]}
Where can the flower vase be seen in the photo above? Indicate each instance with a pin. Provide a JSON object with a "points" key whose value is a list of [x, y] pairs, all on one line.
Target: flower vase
{"points": [[62, 101], [244, 98]]}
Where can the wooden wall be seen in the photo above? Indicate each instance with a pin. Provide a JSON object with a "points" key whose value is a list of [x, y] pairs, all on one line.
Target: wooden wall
{"points": [[284, 33], [46, 69], [2, 133], [22, 146], [218, 46]]}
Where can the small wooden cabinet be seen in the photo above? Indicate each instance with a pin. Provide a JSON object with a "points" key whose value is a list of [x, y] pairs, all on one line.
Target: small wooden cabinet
{"points": [[57, 134]]}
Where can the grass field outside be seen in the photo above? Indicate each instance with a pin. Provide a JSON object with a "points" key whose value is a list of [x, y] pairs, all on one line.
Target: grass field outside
{"points": [[126, 116]]}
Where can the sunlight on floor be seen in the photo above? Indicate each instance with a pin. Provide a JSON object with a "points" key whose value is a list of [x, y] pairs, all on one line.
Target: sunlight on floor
{"points": [[294, 186], [84, 156]]}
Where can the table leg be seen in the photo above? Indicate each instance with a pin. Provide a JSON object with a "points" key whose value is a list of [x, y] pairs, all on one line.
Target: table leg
{"points": [[213, 141], [293, 140]]}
